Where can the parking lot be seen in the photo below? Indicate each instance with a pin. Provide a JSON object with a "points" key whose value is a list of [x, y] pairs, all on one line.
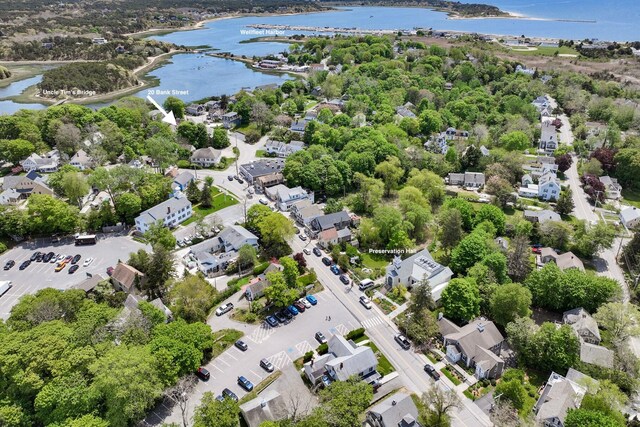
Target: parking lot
{"points": [[39, 275], [280, 345]]}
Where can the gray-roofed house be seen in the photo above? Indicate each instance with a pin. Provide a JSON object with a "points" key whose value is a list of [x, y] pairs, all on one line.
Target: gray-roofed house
{"points": [[337, 220], [467, 179], [231, 119], [206, 157], [125, 278], [195, 109], [255, 288], [564, 261], [541, 216], [613, 190], [404, 112], [596, 355], [397, 410], [484, 151], [526, 180], [559, 395], [182, 180], [82, 160], [20, 187], [257, 168], [630, 216], [304, 211], [268, 406], [585, 326], [171, 212], [282, 149], [47, 163], [285, 196], [477, 344], [90, 283], [418, 267], [346, 359]]}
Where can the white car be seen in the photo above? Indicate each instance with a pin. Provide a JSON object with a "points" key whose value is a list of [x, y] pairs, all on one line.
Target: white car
{"points": [[306, 251], [263, 201], [225, 308], [87, 262], [366, 302], [304, 302], [61, 257]]}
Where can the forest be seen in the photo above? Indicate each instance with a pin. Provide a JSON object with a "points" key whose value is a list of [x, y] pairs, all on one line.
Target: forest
{"points": [[80, 79]]}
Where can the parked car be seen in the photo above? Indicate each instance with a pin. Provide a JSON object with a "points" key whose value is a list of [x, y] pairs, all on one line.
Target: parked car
{"points": [[296, 230], [536, 245], [280, 317], [266, 365], [76, 259], [203, 374], [263, 201], [272, 321], [335, 269], [537, 251], [245, 383], [9, 264], [68, 258], [110, 271], [60, 257], [40, 257], [34, 256], [320, 338], [306, 251], [432, 372], [366, 302], [302, 237], [25, 264], [224, 308], [317, 252], [300, 306], [54, 259], [326, 261], [305, 302], [326, 380], [312, 299], [403, 341], [60, 266], [74, 268], [87, 262], [286, 313], [293, 310], [48, 257], [344, 279], [230, 177], [241, 345], [240, 181], [229, 394]]}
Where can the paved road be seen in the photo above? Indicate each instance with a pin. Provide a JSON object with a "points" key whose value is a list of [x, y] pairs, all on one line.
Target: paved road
{"points": [[38, 275], [381, 330]]}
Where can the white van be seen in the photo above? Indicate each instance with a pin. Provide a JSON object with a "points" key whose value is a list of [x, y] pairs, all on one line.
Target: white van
{"points": [[365, 284], [4, 287]]}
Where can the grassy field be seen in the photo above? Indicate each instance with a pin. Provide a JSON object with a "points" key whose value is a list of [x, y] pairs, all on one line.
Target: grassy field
{"points": [[547, 51], [224, 339], [631, 197], [373, 260], [447, 373]]}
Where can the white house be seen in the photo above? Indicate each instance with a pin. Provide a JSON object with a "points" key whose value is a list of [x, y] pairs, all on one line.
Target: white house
{"points": [[613, 190], [47, 163], [417, 267], [282, 149], [171, 212], [285, 196], [206, 157], [549, 136], [81, 160], [559, 395], [548, 187], [630, 216]]}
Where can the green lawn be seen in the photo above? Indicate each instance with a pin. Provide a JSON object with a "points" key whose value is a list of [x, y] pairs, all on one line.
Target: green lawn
{"points": [[261, 153], [373, 260], [631, 197], [447, 373], [384, 366], [219, 201], [223, 339]]}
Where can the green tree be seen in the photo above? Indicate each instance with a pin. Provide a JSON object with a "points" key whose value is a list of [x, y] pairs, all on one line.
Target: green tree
{"points": [[214, 413], [75, 187], [205, 196], [369, 193], [565, 205], [129, 394], [519, 263], [494, 215], [48, 215], [391, 173], [14, 150], [247, 256], [430, 122], [461, 299], [556, 234], [509, 302], [193, 192], [275, 230], [128, 206], [513, 391], [64, 397], [289, 271], [415, 209], [158, 270], [465, 208], [220, 138], [450, 232], [162, 150], [470, 250], [176, 105], [589, 241], [191, 298], [343, 402], [515, 141], [589, 418], [158, 234], [278, 292], [429, 183], [436, 407], [619, 321]]}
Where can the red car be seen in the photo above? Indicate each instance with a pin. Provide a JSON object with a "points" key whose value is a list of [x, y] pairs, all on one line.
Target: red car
{"points": [[110, 271], [536, 251]]}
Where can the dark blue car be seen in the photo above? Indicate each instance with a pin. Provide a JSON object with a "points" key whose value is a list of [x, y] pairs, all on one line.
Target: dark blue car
{"points": [[245, 383], [272, 321], [335, 270]]}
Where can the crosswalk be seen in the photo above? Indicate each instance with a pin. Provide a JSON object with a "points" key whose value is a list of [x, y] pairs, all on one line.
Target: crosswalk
{"points": [[261, 334], [372, 322], [304, 347], [280, 360]]}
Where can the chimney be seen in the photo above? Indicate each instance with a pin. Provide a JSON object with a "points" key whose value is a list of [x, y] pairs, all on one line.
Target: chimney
{"points": [[168, 210], [480, 327]]}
